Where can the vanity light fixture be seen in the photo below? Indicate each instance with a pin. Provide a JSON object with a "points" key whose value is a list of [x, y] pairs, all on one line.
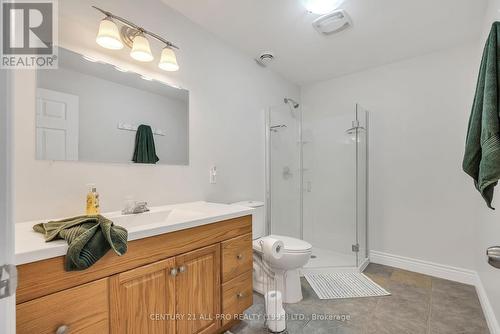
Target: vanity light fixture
{"points": [[136, 38], [108, 35], [168, 61], [141, 51]]}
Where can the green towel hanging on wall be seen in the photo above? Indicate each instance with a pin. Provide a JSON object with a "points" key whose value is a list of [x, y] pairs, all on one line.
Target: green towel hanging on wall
{"points": [[145, 151], [482, 148]]}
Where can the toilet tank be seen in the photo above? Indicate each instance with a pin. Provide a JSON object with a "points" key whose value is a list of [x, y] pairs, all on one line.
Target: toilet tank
{"points": [[258, 217]]}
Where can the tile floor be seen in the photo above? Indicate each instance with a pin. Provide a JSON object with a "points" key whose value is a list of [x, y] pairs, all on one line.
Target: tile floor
{"points": [[419, 304]]}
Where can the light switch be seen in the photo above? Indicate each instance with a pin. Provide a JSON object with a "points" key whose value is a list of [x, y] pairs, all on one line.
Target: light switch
{"points": [[213, 175]]}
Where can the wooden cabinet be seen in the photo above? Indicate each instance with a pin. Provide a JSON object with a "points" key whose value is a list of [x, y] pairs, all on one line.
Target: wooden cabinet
{"points": [[177, 295], [182, 282], [237, 256], [237, 296], [198, 291], [142, 300], [80, 310]]}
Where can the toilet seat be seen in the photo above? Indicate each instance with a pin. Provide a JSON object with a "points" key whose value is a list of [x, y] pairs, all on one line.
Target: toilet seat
{"points": [[291, 245]]}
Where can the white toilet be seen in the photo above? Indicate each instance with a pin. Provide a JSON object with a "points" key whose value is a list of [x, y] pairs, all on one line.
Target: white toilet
{"points": [[295, 255]]}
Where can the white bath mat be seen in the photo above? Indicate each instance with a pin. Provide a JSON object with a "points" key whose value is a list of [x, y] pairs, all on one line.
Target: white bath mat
{"points": [[344, 285]]}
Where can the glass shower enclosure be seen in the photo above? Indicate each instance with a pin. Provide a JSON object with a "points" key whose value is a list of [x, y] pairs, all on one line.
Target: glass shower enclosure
{"points": [[317, 180]]}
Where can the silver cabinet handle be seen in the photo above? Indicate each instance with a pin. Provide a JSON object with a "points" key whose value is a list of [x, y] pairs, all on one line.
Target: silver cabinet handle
{"points": [[493, 254], [173, 272], [240, 295], [63, 329], [182, 269], [239, 256]]}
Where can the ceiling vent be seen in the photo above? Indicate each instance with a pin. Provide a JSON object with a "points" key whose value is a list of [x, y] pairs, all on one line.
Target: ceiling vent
{"points": [[265, 58], [332, 22]]}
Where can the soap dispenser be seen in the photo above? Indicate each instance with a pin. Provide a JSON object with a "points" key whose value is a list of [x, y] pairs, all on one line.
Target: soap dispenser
{"points": [[92, 201]]}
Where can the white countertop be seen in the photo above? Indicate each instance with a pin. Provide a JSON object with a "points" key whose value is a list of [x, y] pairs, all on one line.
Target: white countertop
{"points": [[31, 246]]}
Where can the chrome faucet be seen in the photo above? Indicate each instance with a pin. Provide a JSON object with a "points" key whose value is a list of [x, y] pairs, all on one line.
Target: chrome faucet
{"points": [[135, 208]]}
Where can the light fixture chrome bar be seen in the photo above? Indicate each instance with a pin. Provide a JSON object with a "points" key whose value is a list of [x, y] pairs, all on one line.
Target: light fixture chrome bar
{"points": [[135, 26]]}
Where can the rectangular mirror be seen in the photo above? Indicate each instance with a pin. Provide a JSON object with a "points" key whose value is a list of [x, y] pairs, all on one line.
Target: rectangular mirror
{"points": [[93, 111]]}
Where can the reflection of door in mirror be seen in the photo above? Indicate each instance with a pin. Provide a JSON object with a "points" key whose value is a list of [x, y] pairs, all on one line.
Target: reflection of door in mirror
{"points": [[56, 125]]}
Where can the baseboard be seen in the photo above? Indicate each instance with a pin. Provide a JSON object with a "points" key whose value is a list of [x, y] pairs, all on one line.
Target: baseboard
{"points": [[363, 265], [489, 314], [451, 273]]}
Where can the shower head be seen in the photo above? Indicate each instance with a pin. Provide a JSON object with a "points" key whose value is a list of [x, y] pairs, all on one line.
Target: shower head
{"points": [[355, 127], [292, 102], [275, 128]]}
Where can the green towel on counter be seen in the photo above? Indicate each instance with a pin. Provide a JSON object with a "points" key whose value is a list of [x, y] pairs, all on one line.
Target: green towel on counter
{"points": [[482, 148], [89, 238], [145, 151]]}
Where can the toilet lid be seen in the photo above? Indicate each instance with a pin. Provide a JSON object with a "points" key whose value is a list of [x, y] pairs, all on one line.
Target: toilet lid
{"points": [[291, 244]]}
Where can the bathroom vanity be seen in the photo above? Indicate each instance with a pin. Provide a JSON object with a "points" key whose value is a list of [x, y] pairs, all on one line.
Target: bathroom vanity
{"points": [[188, 269]]}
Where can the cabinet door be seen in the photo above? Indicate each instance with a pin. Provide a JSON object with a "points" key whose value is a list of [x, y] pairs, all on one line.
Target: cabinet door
{"points": [[198, 291], [143, 300], [82, 310]]}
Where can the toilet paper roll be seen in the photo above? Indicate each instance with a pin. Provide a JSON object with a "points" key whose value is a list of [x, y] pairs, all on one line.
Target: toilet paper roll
{"points": [[275, 313], [272, 248], [274, 301]]}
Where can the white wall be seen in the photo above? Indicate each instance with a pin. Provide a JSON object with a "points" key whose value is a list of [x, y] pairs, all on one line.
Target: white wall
{"points": [[7, 305], [421, 204], [489, 226], [228, 94], [104, 103]]}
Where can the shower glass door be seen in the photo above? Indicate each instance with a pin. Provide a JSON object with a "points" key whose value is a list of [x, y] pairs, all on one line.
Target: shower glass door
{"points": [[361, 184], [329, 189], [334, 164], [317, 181], [284, 179]]}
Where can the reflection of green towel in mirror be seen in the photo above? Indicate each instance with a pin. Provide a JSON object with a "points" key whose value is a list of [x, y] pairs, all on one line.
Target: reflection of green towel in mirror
{"points": [[482, 148], [89, 238], [145, 152]]}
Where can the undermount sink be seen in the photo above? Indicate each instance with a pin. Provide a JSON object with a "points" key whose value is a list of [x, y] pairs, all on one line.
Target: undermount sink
{"points": [[154, 217]]}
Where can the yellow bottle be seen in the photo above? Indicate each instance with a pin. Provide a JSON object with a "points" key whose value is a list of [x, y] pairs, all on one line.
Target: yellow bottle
{"points": [[92, 201]]}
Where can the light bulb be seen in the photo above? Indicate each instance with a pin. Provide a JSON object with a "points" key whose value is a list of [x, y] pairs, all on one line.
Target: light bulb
{"points": [[108, 35], [141, 50], [168, 61]]}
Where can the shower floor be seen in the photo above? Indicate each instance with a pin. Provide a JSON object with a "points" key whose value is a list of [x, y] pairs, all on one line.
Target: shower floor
{"points": [[327, 258]]}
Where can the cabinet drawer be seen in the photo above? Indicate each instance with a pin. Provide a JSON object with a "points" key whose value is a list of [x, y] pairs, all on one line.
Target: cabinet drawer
{"points": [[236, 256], [237, 296], [83, 310]]}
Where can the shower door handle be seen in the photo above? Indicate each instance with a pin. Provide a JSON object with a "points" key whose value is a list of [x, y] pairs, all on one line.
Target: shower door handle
{"points": [[308, 187], [493, 254]]}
